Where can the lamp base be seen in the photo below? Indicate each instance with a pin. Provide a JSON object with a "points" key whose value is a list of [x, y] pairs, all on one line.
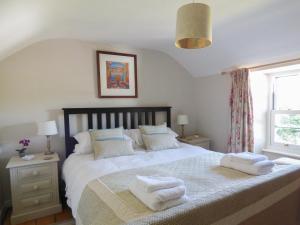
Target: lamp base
{"points": [[48, 152], [182, 132]]}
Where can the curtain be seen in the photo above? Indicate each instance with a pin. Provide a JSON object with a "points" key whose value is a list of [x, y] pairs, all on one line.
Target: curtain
{"points": [[241, 132]]}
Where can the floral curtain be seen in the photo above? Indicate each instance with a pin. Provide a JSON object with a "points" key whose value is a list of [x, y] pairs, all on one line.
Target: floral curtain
{"points": [[241, 132]]}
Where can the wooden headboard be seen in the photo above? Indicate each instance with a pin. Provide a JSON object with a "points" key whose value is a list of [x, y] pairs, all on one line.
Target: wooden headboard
{"points": [[131, 118]]}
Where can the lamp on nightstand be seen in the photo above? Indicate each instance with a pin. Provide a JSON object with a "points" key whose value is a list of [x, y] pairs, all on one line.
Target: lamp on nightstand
{"points": [[48, 129], [182, 120]]}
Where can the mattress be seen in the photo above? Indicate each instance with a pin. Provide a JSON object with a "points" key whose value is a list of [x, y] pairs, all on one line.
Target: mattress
{"points": [[209, 186]]}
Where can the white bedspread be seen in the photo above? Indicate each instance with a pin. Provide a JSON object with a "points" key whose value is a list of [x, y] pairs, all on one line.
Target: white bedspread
{"points": [[79, 170]]}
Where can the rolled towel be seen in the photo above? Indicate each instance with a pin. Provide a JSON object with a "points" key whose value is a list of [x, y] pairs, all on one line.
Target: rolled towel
{"points": [[153, 203], [259, 168], [247, 157], [154, 183]]}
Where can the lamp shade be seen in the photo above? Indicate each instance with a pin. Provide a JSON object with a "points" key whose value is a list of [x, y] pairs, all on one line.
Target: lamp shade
{"points": [[47, 128], [193, 26], [182, 119]]}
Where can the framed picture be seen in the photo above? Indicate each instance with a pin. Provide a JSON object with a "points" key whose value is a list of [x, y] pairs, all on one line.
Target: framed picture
{"points": [[117, 75]]}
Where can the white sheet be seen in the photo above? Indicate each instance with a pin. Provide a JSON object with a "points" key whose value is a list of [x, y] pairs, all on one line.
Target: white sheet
{"points": [[78, 170]]}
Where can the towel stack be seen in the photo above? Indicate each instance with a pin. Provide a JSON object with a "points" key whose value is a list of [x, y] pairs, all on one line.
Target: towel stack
{"points": [[159, 193], [247, 162]]}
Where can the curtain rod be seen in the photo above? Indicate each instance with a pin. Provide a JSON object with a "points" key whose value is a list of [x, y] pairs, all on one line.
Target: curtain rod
{"points": [[265, 65]]}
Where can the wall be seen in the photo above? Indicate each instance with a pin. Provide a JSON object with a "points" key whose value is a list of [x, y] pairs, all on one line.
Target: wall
{"points": [[213, 112], [36, 82]]}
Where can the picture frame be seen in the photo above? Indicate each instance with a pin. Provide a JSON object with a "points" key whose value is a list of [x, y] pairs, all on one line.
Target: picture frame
{"points": [[116, 75]]}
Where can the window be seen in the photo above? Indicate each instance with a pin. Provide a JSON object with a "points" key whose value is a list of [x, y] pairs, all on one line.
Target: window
{"points": [[285, 115]]}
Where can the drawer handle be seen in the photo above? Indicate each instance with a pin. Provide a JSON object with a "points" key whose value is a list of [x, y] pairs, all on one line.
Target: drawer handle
{"points": [[35, 173], [36, 202], [35, 187]]}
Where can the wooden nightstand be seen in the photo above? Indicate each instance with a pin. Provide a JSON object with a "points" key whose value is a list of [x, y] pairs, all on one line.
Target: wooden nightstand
{"points": [[196, 140], [34, 187]]}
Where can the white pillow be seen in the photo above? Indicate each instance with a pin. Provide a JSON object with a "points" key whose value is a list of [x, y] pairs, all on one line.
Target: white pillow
{"points": [[84, 145], [159, 141], [112, 148], [107, 134], [158, 129], [136, 136], [170, 131]]}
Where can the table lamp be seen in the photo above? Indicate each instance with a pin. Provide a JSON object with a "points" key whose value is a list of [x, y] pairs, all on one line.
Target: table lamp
{"points": [[182, 120], [47, 129]]}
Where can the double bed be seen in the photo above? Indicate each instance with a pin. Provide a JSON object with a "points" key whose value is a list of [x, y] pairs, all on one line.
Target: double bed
{"points": [[97, 190]]}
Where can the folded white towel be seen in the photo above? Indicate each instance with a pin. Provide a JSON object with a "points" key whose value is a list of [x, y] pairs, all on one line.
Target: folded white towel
{"points": [[247, 157], [258, 168], [154, 183], [154, 203]]}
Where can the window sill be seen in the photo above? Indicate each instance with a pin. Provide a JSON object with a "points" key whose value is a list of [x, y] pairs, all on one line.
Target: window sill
{"points": [[282, 152]]}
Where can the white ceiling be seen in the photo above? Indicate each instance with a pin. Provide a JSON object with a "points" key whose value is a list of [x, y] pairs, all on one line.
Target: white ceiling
{"points": [[244, 32]]}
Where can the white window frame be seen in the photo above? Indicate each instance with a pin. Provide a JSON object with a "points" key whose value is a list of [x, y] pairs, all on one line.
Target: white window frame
{"points": [[273, 112]]}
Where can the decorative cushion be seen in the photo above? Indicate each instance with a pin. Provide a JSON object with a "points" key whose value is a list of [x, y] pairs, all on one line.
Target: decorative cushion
{"points": [[112, 148], [107, 134], [158, 129], [156, 142]]}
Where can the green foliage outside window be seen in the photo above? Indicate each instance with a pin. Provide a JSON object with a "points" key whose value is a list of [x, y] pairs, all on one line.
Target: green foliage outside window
{"points": [[288, 129]]}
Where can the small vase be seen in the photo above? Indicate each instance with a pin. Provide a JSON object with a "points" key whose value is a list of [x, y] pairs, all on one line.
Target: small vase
{"points": [[21, 152]]}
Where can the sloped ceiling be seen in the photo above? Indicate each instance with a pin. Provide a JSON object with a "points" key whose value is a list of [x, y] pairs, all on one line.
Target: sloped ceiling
{"points": [[244, 32]]}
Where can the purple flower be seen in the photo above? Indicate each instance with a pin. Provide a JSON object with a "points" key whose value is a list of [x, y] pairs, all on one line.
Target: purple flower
{"points": [[24, 142]]}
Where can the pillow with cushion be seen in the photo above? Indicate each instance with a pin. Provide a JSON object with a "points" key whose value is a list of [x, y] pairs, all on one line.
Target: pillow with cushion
{"points": [[136, 136], [170, 131], [112, 148], [107, 134], [84, 145], [156, 142], [158, 129]]}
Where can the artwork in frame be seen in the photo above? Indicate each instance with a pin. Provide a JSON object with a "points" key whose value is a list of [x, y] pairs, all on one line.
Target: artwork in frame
{"points": [[117, 75]]}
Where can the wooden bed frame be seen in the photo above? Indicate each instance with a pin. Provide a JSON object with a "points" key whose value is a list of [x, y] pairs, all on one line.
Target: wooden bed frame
{"points": [[138, 116], [284, 212]]}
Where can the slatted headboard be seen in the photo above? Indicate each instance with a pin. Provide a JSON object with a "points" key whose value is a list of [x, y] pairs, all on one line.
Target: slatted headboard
{"points": [[131, 117]]}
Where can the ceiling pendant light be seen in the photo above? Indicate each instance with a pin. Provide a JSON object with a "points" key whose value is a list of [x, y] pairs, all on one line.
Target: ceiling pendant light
{"points": [[193, 26]]}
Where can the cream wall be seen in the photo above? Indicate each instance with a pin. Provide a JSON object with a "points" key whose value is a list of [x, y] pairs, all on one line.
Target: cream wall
{"points": [[36, 82], [213, 112]]}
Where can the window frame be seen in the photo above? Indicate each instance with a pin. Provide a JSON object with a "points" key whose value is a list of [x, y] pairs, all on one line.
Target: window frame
{"points": [[273, 111]]}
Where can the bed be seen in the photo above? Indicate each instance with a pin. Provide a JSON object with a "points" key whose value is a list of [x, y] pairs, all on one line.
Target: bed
{"points": [[97, 190]]}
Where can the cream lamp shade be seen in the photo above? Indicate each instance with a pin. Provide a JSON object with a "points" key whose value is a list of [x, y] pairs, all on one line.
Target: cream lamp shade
{"points": [[47, 128], [193, 26], [182, 119]]}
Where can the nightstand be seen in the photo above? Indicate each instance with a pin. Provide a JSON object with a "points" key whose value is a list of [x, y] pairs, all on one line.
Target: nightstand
{"points": [[34, 187], [196, 140]]}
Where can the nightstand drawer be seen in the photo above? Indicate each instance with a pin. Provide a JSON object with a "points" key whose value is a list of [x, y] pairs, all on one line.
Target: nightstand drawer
{"points": [[35, 202], [34, 187], [33, 172]]}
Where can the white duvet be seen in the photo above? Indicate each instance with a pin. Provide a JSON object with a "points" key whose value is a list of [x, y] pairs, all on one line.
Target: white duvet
{"points": [[79, 170]]}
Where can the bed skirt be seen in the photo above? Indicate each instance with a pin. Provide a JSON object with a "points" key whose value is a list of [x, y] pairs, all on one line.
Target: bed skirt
{"points": [[284, 212]]}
